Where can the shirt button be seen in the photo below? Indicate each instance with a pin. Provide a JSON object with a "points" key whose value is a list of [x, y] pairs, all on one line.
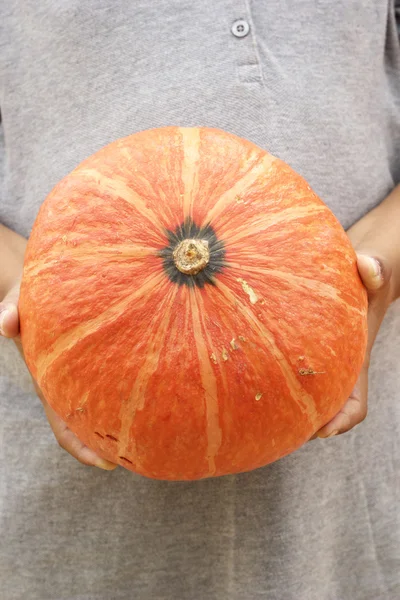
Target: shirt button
{"points": [[240, 28]]}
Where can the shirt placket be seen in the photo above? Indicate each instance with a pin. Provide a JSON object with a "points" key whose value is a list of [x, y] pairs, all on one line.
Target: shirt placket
{"points": [[245, 43]]}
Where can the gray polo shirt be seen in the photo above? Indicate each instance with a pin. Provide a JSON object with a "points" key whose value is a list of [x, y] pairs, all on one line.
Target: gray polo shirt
{"points": [[315, 82]]}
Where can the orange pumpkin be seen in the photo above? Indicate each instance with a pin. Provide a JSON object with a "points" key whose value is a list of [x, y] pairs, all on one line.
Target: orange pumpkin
{"points": [[189, 306]]}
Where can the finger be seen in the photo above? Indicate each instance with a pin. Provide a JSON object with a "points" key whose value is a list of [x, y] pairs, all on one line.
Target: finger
{"points": [[9, 319], [69, 442], [353, 412], [372, 272], [9, 327], [376, 275]]}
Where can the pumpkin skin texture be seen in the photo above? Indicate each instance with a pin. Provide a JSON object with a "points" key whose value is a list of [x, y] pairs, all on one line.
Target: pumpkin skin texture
{"points": [[181, 374]]}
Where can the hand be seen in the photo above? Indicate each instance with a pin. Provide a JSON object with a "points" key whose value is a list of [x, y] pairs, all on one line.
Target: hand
{"points": [[377, 278], [9, 327]]}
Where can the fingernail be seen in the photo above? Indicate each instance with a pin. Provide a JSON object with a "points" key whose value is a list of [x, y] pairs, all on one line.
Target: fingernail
{"points": [[105, 465], [323, 437], [333, 433], [375, 268], [3, 313]]}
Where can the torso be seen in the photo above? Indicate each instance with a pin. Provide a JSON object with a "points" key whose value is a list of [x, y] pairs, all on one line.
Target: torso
{"points": [[318, 84]]}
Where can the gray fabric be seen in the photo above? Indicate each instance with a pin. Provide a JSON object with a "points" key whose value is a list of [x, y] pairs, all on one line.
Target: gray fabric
{"points": [[317, 83]]}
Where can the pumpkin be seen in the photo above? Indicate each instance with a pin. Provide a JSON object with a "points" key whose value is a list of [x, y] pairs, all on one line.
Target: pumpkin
{"points": [[189, 306]]}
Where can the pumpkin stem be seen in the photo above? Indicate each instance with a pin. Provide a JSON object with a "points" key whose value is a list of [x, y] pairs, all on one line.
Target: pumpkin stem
{"points": [[191, 256]]}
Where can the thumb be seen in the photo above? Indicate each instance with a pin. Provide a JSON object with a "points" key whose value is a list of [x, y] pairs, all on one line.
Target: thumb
{"points": [[375, 273], [9, 319]]}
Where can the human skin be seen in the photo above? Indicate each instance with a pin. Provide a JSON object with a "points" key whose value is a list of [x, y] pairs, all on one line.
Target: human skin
{"points": [[376, 240]]}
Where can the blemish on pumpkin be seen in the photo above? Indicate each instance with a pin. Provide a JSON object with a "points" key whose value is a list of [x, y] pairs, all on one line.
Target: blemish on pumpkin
{"points": [[213, 358], [64, 239], [214, 322], [81, 408], [225, 355], [301, 357], [242, 338], [310, 372], [111, 437], [238, 199], [99, 435], [259, 396], [248, 290], [126, 459], [233, 344]]}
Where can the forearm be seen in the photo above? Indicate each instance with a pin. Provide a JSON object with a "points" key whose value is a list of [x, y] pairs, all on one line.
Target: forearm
{"points": [[378, 233], [12, 250]]}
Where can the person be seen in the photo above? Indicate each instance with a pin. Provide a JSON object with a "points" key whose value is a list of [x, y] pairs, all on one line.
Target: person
{"points": [[317, 83]]}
